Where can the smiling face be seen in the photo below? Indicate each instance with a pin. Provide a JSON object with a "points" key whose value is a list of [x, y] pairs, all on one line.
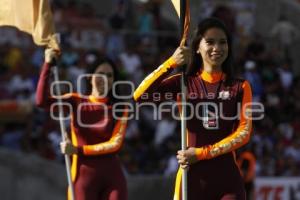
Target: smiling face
{"points": [[213, 48], [98, 81]]}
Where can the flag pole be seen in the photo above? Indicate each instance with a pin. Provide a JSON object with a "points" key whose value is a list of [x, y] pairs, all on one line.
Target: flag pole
{"points": [[63, 132], [184, 184]]}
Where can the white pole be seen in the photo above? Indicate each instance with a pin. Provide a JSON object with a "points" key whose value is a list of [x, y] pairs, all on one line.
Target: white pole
{"points": [[184, 184], [63, 132], [183, 134]]}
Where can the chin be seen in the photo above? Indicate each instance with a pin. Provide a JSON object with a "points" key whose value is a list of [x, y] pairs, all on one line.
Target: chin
{"points": [[215, 65], [100, 90]]}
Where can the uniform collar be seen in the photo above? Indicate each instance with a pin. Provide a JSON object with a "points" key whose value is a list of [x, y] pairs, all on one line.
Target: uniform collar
{"points": [[94, 99], [212, 77]]}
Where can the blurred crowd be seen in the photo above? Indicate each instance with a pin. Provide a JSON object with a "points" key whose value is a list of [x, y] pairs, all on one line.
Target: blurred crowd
{"points": [[138, 42]]}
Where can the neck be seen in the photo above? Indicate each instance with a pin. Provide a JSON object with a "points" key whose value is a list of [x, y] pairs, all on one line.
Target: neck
{"points": [[212, 69], [212, 76], [95, 93]]}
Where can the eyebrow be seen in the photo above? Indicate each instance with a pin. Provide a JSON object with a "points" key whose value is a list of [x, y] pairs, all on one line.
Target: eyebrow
{"points": [[223, 39]]}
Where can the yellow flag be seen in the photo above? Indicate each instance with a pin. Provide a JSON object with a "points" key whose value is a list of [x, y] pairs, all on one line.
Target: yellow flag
{"points": [[176, 4], [31, 16]]}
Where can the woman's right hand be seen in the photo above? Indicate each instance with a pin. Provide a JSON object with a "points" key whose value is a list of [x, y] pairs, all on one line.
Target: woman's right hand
{"points": [[51, 55], [66, 147], [181, 55], [186, 157]]}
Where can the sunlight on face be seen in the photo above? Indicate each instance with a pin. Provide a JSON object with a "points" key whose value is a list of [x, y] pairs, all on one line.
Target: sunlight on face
{"points": [[213, 49]]}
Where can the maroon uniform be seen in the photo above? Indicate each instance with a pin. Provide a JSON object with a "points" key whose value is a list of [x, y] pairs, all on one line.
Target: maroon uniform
{"points": [[218, 127], [96, 170]]}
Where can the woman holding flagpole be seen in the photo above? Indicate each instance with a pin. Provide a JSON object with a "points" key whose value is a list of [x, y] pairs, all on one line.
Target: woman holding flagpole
{"points": [[219, 119], [97, 133]]}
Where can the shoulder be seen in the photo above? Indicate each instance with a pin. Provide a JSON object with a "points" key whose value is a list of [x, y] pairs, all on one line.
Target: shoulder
{"points": [[238, 86], [173, 78], [238, 82], [243, 84], [71, 96]]}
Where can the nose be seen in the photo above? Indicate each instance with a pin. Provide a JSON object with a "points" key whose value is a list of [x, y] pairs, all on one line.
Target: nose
{"points": [[217, 47]]}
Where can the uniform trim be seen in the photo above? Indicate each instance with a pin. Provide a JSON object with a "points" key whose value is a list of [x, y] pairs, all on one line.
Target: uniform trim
{"points": [[177, 190], [74, 164], [236, 139], [151, 78], [248, 156], [213, 77], [114, 143]]}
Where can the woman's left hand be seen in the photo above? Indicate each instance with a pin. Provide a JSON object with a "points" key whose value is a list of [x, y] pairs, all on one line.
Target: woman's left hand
{"points": [[186, 157], [68, 148]]}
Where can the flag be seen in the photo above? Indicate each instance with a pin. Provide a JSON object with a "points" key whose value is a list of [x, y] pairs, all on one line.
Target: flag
{"points": [[31, 16], [176, 4]]}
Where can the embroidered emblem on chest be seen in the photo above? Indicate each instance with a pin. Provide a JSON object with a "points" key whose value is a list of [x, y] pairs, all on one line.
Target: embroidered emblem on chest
{"points": [[224, 95]]}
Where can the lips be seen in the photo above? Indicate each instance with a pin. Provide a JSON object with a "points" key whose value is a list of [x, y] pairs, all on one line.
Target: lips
{"points": [[216, 56]]}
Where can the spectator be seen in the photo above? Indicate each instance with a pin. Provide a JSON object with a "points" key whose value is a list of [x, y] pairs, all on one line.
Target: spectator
{"points": [[286, 75], [254, 79], [164, 129], [131, 63], [285, 33], [277, 134]]}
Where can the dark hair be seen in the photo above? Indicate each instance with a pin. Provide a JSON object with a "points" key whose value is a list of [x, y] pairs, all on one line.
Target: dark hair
{"points": [[196, 60], [91, 70]]}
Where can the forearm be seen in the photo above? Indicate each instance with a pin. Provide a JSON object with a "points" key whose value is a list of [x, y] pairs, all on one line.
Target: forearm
{"points": [[153, 80], [239, 138], [111, 146], [42, 92]]}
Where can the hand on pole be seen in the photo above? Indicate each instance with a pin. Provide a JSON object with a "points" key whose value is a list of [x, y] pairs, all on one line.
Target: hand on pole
{"points": [[181, 55], [186, 157], [51, 55], [68, 148]]}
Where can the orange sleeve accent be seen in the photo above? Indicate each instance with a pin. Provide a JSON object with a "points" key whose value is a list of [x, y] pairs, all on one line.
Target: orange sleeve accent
{"points": [[151, 78], [236, 139], [250, 173], [115, 142]]}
